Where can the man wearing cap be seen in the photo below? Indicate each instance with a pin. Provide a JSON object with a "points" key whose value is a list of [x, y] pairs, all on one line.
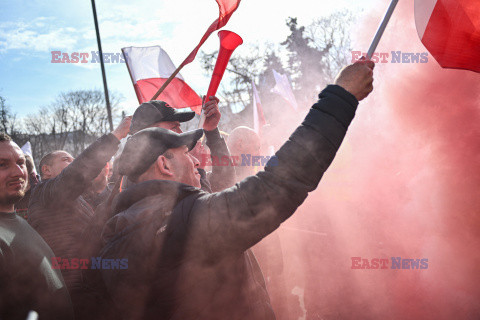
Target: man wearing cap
{"points": [[188, 251], [159, 114]]}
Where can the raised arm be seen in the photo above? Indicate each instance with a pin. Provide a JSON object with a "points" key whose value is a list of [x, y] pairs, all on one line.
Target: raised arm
{"points": [[77, 177], [222, 176], [237, 218]]}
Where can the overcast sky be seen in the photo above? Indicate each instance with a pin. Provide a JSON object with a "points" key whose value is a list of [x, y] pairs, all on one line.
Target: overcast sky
{"points": [[31, 29]]}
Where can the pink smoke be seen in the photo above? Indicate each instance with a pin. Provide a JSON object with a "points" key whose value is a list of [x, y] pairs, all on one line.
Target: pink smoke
{"points": [[405, 183]]}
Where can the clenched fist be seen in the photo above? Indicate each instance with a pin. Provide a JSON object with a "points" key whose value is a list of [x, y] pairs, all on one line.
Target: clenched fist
{"points": [[357, 78], [212, 113], [123, 128]]}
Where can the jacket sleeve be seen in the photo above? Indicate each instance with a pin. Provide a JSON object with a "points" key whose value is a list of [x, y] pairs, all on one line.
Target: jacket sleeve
{"points": [[222, 176], [235, 219], [78, 176]]}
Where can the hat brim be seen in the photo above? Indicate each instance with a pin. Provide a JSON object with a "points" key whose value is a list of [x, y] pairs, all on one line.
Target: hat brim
{"points": [[144, 147], [189, 139], [180, 116]]}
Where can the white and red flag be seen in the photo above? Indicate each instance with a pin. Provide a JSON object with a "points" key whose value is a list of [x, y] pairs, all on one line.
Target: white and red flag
{"points": [[226, 8], [284, 89], [450, 30], [149, 68], [258, 117]]}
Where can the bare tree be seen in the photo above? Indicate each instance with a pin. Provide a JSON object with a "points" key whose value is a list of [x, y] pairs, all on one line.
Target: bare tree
{"points": [[71, 123], [86, 115], [8, 121], [240, 72], [332, 32], [310, 56]]}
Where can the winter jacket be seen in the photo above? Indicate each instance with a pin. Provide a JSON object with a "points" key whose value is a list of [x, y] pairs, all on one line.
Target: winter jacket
{"points": [[187, 250], [59, 213]]}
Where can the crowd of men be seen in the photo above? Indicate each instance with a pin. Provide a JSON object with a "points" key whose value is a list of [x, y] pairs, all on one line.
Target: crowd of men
{"points": [[153, 233]]}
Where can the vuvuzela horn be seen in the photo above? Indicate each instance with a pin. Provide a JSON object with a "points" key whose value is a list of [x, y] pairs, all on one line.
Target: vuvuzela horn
{"points": [[229, 41]]}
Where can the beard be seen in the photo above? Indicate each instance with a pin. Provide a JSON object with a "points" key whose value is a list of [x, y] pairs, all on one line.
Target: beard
{"points": [[17, 197], [11, 199]]}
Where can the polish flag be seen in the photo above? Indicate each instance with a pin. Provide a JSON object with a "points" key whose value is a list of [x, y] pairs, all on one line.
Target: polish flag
{"points": [[149, 68], [450, 30], [258, 117], [284, 89], [226, 9]]}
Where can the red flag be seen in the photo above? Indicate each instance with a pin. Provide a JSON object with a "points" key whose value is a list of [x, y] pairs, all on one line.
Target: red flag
{"points": [[226, 7], [450, 30], [149, 68]]}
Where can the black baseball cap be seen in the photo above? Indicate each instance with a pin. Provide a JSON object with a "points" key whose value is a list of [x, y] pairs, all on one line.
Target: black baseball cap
{"points": [[155, 111], [144, 147]]}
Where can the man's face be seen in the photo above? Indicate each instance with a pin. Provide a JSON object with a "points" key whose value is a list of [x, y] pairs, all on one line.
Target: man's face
{"points": [[169, 125], [201, 153], [61, 160], [13, 173], [184, 166]]}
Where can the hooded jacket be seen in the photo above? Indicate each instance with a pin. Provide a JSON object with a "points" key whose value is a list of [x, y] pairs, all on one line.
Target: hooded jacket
{"points": [[188, 251]]}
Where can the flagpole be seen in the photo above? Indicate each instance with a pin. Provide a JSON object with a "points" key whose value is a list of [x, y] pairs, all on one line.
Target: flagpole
{"points": [[381, 28], [202, 115], [105, 88], [167, 82]]}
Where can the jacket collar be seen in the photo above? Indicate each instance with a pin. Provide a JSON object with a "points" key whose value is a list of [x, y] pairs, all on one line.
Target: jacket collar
{"points": [[165, 188]]}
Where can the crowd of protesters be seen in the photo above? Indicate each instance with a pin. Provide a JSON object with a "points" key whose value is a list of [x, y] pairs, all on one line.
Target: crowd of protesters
{"points": [[136, 227]]}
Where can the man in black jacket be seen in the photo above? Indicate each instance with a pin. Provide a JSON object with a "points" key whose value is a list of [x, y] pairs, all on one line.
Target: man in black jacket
{"points": [[58, 211], [160, 114], [187, 250]]}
